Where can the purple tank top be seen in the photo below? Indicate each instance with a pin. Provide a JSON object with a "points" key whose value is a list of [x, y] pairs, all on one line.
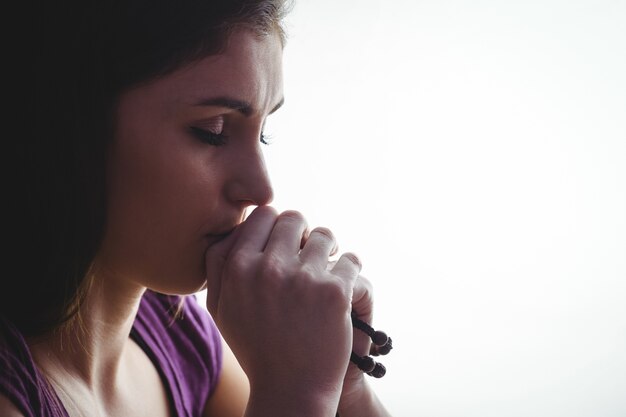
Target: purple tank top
{"points": [[187, 352]]}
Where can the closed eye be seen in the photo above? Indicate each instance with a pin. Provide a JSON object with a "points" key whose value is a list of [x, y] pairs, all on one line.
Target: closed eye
{"points": [[208, 137]]}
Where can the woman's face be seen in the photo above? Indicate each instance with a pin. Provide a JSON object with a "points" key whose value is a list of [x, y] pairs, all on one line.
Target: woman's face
{"points": [[186, 161]]}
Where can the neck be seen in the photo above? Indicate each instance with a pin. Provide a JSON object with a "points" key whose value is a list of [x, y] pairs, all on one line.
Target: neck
{"points": [[92, 348]]}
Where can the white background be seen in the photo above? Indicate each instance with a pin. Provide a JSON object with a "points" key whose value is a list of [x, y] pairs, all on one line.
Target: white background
{"points": [[473, 153]]}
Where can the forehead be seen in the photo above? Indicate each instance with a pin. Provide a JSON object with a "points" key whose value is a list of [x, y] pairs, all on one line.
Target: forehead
{"points": [[249, 69]]}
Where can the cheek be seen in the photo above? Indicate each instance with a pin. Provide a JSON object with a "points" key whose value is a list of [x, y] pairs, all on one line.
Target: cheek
{"points": [[155, 166], [161, 173], [162, 193]]}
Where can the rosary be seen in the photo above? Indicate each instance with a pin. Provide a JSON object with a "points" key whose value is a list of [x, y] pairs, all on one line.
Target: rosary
{"points": [[381, 345]]}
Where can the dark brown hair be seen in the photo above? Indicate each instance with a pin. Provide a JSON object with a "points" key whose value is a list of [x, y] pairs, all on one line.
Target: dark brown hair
{"points": [[85, 55]]}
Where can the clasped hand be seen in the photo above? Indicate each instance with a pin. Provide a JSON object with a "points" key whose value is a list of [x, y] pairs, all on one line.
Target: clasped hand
{"points": [[284, 309]]}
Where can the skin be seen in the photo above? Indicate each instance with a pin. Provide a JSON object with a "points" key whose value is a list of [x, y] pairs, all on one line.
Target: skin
{"points": [[176, 202]]}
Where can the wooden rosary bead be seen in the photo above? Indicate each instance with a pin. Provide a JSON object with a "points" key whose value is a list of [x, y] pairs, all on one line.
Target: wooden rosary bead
{"points": [[381, 345], [379, 371], [364, 363], [379, 338], [367, 364], [386, 348]]}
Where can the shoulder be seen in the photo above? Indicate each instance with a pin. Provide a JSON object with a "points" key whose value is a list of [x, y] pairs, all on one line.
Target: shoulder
{"points": [[182, 339], [16, 370], [186, 323], [22, 387]]}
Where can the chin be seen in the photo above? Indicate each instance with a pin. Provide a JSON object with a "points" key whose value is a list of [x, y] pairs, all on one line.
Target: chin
{"points": [[179, 284]]}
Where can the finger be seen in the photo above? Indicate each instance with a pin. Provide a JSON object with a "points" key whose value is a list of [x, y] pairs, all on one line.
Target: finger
{"points": [[362, 299], [250, 235], [331, 265], [335, 250], [348, 266], [255, 230], [287, 234], [305, 237], [362, 308], [214, 261], [318, 247]]}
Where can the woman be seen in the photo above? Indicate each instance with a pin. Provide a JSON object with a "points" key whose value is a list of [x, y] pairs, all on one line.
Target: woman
{"points": [[143, 153]]}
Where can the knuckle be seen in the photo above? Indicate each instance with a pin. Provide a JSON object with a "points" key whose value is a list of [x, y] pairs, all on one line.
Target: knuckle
{"points": [[293, 216], [271, 266], [366, 283], [325, 233], [352, 257], [363, 285], [264, 212], [363, 290], [237, 264], [333, 294], [308, 272]]}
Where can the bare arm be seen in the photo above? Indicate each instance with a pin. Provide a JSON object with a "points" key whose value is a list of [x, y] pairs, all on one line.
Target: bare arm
{"points": [[232, 395], [232, 391]]}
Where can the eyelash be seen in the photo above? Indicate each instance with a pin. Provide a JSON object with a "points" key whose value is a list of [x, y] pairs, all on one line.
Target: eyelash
{"points": [[219, 139], [208, 137]]}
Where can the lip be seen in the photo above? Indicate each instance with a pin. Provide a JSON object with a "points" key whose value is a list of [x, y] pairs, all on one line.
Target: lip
{"points": [[215, 237], [224, 228]]}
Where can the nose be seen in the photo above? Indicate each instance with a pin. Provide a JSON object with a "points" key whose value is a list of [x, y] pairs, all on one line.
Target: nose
{"points": [[250, 183]]}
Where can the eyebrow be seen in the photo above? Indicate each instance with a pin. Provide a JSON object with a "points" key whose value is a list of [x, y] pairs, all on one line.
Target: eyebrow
{"points": [[241, 106]]}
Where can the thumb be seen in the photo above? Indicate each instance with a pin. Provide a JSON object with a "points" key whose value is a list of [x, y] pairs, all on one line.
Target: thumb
{"points": [[362, 308], [362, 299]]}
